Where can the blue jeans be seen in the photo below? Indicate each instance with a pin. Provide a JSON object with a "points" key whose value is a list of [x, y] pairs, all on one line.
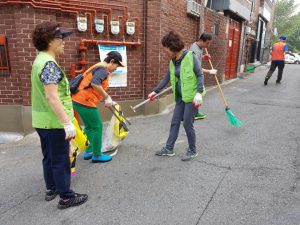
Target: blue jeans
{"points": [[56, 161]]}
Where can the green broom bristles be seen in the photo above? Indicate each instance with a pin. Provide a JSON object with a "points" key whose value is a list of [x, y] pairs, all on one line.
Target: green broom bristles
{"points": [[232, 119]]}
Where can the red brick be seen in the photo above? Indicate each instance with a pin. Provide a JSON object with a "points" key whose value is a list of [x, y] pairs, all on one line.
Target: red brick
{"points": [[147, 61]]}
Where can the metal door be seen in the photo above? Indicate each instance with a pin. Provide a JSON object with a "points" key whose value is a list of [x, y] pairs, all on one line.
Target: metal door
{"points": [[233, 45]]}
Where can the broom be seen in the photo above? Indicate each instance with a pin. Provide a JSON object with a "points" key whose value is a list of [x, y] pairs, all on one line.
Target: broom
{"points": [[231, 117]]}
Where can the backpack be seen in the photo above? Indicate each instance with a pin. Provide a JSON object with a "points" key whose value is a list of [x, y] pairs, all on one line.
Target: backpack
{"points": [[74, 83]]}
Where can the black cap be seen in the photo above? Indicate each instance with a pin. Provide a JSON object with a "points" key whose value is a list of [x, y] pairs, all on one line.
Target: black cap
{"points": [[117, 57], [62, 34]]}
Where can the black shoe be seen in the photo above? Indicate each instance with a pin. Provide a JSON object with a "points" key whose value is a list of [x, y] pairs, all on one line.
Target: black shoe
{"points": [[77, 200], [50, 195], [165, 152], [266, 81], [278, 82]]}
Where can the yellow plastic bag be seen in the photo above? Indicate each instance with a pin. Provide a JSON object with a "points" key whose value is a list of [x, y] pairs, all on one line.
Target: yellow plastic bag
{"points": [[78, 145], [115, 132]]}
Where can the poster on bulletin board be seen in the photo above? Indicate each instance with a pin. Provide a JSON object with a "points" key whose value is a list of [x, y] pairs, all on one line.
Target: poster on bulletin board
{"points": [[119, 77]]}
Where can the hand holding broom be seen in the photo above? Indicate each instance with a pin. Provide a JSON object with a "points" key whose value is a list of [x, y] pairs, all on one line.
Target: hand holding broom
{"points": [[231, 117]]}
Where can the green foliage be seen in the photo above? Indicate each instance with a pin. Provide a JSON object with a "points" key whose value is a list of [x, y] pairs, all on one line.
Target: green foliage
{"points": [[288, 23]]}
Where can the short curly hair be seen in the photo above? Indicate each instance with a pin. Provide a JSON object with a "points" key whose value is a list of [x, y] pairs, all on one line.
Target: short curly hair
{"points": [[173, 41], [43, 34]]}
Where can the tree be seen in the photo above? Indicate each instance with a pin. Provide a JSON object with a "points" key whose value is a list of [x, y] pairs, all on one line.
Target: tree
{"points": [[287, 22]]}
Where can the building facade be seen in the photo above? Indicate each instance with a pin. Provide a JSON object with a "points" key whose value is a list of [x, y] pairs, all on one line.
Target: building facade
{"points": [[138, 25]]}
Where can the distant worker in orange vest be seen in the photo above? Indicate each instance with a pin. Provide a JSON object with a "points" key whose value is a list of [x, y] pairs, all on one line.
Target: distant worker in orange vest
{"points": [[278, 51]]}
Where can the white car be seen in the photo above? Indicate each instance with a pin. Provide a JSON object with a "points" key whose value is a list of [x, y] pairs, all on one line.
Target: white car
{"points": [[289, 58], [297, 58], [293, 58]]}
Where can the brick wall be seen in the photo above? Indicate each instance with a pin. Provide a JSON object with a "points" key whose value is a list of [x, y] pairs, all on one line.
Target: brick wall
{"points": [[147, 63], [18, 22], [173, 16], [217, 49], [10, 86]]}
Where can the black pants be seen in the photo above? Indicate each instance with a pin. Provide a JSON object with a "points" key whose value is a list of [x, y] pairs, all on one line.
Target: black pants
{"points": [[183, 112], [56, 161], [274, 64]]}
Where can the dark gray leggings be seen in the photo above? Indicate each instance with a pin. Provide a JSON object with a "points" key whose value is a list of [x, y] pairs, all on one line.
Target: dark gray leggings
{"points": [[183, 112]]}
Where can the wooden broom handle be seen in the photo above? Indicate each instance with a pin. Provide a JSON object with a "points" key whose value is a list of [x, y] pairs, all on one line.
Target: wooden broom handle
{"points": [[219, 86]]}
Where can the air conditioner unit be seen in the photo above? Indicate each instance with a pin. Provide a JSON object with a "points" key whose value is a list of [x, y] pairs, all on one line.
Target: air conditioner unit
{"points": [[193, 8]]}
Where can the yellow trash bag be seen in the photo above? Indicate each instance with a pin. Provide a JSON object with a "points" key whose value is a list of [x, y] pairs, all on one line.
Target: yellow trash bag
{"points": [[116, 131], [78, 145]]}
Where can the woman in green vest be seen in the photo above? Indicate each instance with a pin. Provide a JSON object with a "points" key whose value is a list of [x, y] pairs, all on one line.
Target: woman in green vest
{"points": [[52, 114], [186, 78]]}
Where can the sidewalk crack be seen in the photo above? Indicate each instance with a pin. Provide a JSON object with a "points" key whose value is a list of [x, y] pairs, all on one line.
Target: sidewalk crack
{"points": [[215, 165], [213, 195], [14, 206]]}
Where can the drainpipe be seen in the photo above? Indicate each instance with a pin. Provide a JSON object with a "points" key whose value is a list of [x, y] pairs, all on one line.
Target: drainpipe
{"points": [[137, 28], [107, 25], [122, 27], [82, 61], [145, 14]]}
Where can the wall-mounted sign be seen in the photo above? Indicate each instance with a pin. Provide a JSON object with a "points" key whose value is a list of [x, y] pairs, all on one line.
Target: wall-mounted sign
{"points": [[119, 77]]}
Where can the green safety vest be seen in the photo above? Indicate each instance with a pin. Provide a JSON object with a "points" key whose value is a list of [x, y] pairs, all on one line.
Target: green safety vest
{"points": [[42, 114], [188, 79]]}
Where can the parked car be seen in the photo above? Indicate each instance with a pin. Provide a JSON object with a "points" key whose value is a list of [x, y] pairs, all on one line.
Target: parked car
{"points": [[297, 58], [293, 58]]}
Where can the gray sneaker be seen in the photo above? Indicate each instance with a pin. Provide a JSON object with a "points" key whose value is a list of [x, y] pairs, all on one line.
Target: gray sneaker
{"points": [[165, 152], [189, 155], [50, 195]]}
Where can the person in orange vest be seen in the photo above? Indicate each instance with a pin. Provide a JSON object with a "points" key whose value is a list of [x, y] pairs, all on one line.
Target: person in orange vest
{"points": [[278, 51], [91, 90]]}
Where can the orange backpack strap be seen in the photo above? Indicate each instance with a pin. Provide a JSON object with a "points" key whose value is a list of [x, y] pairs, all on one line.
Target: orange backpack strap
{"points": [[102, 64]]}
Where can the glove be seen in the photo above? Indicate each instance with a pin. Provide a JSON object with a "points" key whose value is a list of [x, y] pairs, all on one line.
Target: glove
{"points": [[197, 100], [213, 72], [69, 130], [206, 57], [151, 96], [108, 101]]}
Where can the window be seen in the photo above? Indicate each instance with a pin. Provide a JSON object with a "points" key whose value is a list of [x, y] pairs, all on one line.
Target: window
{"points": [[216, 28], [4, 64], [208, 4]]}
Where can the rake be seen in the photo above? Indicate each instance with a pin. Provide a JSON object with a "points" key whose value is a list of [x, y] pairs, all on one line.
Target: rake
{"points": [[148, 100]]}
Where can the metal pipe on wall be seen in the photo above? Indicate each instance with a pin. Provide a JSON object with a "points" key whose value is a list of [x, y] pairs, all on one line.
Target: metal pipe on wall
{"points": [[76, 8], [38, 6], [91, 8], [79, 2], [126, 43]]}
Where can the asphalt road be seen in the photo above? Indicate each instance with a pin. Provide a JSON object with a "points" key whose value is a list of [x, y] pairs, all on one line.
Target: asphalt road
{"points": [[248, 175]]}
